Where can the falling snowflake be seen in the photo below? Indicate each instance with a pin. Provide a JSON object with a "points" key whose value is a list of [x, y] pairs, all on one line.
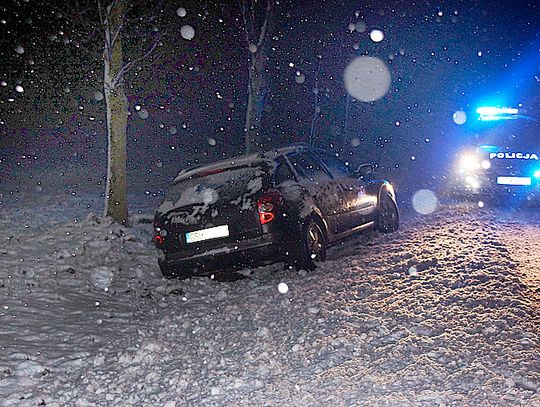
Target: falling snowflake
{"points": [[181, 12], [143, 114], [283, 288], [459, 117], [367, 79], [376, 35], [424, 202], [360, 26], [187, 32], [299, 77]]}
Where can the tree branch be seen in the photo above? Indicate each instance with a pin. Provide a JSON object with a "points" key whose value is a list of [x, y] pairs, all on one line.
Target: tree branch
{"points": [[73, 15], [82, 45], [268, 15], [126, 67], [101, 19], [248, 40], [253, 16]]}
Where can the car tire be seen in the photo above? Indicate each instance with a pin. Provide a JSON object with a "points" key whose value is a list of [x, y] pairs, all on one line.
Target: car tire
{"points": [[387, 214], [312, 250]]}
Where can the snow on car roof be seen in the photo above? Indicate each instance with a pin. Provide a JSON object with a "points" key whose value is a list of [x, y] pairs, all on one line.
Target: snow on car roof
{"points": [[248, 160], [240, 161]]}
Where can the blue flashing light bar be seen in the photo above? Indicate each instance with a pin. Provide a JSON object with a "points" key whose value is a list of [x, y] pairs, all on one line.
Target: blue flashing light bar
{"points": [[491, 113], [536, 174], [494, 111]]}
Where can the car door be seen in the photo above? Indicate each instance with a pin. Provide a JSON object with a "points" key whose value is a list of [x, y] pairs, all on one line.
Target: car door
{"points": [[320, 186], [360, 204]]}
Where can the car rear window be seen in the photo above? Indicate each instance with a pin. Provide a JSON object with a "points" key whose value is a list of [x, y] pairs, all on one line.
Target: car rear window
{"points": [[282, 173], [217, 185]]}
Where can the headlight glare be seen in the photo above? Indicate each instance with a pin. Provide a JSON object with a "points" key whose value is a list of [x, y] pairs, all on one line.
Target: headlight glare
{"points": [[469, 162], [472, 182]]}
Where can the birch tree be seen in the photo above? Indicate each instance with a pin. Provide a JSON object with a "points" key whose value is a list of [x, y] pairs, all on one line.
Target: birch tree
{"points": [[113, 17], [112, 21], [258, 24]]}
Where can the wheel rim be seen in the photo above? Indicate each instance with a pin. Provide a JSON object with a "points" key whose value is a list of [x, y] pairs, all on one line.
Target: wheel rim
{"points": [[315, 244], [388, 213]]}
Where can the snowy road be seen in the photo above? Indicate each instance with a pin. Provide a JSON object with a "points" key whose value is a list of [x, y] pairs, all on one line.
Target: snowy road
{"points": [[444, 312]]}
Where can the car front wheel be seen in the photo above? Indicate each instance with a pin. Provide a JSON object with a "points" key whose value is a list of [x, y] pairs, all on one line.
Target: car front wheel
{"points": [[388, 216]]}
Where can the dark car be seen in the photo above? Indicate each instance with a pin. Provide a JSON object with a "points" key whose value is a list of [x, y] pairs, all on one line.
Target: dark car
{"points": [[284, 205]]}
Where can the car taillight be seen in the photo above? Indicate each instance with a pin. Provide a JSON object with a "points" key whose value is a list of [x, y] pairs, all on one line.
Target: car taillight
{"points": [[159, 233], [159, 240], [268, 204]]}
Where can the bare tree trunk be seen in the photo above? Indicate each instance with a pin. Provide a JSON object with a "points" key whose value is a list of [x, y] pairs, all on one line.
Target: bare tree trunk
{"points": [[316, 107], [256, 102], [116, 102], [345, 122], [257, 44]]}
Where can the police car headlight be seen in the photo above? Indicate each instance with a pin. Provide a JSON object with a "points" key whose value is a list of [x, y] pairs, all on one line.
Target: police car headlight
{"points": [[469, 162], [472, 182]]}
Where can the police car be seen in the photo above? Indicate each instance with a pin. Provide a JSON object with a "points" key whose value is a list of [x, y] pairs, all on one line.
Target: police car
{"points": [[505, 163]]}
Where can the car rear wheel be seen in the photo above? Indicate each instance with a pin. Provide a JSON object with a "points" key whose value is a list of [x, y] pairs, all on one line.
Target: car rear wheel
{"points": [[388, 216], [313, 247]]}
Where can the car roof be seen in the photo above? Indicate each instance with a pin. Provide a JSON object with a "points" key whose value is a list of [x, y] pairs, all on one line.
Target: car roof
{"points": [[242, 161]]}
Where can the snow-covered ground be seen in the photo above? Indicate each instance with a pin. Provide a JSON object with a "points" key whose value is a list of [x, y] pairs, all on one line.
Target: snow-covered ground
{"points": [[443, 312]]}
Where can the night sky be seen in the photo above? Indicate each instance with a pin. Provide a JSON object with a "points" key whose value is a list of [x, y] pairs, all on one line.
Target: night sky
{"points": [[187, 101]]}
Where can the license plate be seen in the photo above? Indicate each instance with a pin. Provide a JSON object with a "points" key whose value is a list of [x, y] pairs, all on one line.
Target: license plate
{"points": [[207, 234], [514, 180]]}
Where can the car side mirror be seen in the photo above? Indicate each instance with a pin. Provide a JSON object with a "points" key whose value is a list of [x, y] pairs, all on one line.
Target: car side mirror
{"points": [[364, 169]]}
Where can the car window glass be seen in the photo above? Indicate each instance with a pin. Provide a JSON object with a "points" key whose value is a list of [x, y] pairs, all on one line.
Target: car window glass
{"points": [[306, 165], [283, 173], [221, 185], [337, 168]]}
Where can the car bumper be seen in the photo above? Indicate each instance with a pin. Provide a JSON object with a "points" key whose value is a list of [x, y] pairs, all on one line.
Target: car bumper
{"points": [[265, 249], [489, 186]]}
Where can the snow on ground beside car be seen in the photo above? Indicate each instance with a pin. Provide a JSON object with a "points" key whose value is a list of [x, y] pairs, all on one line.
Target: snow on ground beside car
{"points": [[523, 236], [445, 311]]}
